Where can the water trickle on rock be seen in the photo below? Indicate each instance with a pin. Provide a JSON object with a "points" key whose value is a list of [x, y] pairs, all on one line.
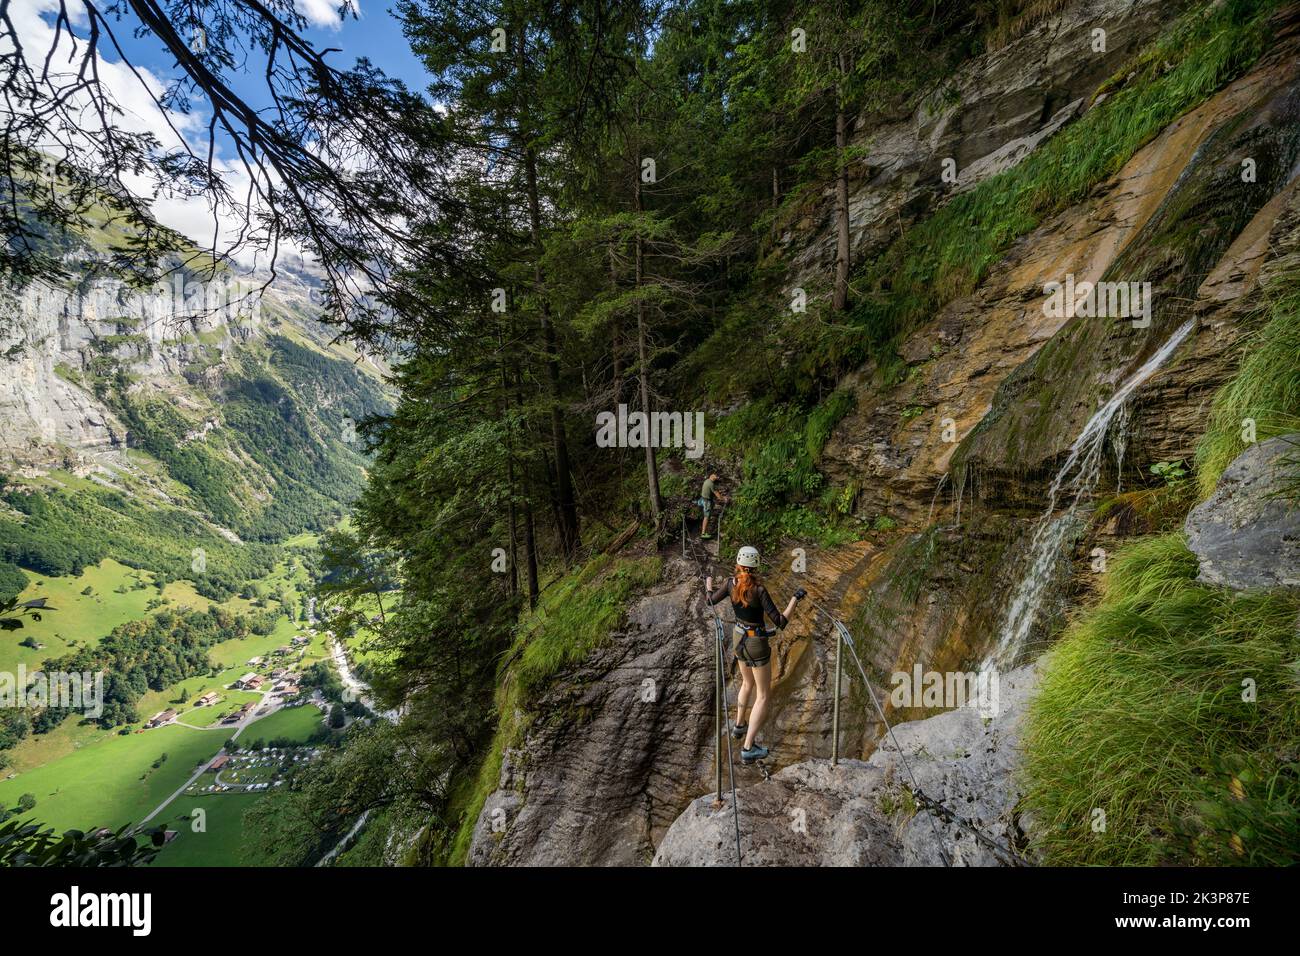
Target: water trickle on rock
{"points": [[1076, 479]]}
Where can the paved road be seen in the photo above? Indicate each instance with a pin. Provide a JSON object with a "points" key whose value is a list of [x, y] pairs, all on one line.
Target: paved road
{"points": [[257, 713]]}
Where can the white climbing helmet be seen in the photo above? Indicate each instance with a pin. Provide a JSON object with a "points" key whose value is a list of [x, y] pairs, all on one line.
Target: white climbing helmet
{"points": [[747, 557]]}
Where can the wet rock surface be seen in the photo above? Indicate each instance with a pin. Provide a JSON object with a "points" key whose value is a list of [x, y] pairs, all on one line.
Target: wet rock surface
{"points": [[862, 813], [1003, 105], [1247, 534]]}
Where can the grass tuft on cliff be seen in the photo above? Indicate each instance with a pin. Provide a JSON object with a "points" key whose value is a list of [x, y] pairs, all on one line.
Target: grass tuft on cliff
{"points": [[1265, 390], [948, 254], [1141, 717], [780, 446], [574, 616]]}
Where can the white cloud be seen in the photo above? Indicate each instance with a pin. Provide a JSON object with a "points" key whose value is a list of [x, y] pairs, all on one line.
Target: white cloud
{"points": [[323, 13], [134, 91]]}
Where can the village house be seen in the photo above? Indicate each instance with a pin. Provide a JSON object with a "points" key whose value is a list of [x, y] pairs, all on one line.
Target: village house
{"points": [[208, 699], [218, 763], [162, 717], [250, 681]]}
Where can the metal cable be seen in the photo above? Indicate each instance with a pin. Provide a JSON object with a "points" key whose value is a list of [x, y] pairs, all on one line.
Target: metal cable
{"points": [[935, 806], [720, 679], [731, 761]]}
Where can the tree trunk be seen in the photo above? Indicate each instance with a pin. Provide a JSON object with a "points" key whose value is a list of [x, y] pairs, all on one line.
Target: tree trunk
{"points": [[568, 523], [530, 552], [510, 482], [568, 509], [616, 349], [643, 364], [841, 298], [530, 536]]}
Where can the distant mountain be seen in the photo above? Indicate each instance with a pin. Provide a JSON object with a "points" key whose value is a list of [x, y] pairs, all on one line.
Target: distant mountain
{"points": [[144, 424]]}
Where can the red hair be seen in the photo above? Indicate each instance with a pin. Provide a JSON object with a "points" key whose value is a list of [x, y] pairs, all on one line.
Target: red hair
{"points": [[746, 583]]}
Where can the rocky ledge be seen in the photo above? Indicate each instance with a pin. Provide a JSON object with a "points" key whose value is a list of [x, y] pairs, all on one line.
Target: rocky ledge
{"points": [[864, 813], [1247, 534]]}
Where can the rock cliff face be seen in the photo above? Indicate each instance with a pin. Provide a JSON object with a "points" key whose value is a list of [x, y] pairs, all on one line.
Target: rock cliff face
{"points": [[993, 112], [960, 455], [56, 333], [1247, 534], [622, 745], [170, 339]]}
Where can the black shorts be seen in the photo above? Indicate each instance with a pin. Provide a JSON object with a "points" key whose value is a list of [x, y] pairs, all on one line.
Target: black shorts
{"points": [[754, 651]]}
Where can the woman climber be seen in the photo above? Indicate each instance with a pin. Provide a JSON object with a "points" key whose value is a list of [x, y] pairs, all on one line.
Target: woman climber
{"points": [[750, 601]]}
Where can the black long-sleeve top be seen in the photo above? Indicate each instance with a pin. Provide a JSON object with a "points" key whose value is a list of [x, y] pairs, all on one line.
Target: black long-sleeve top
{"points": [[753, 615]]}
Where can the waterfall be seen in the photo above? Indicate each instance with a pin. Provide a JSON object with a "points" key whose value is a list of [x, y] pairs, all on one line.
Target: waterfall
{"points": [[1076, 479]]}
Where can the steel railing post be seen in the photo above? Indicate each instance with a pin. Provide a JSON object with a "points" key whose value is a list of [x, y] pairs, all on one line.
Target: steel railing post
{"points": [[719, 704], [835, 712]]}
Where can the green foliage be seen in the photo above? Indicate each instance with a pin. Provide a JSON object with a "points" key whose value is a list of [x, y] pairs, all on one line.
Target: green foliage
{"points": [[823, 419], [780, 446], [947, 254], [1141, 715], [576, 615], [66, 529], [374, 767], [12, 580], [152, 654], [27, 844], [160, 430], [1266, 389], [468, 805], [1171, 472], [288, 408]]}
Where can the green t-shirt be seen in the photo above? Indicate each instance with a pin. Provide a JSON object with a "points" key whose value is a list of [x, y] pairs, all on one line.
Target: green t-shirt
{"points": [[706, 491]]}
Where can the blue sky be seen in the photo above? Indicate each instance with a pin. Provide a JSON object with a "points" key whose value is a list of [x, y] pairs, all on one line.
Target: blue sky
{"points": [[375, 34]]}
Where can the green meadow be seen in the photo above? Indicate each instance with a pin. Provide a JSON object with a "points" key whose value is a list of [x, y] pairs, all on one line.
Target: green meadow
{"points": [[117, 594], [112, 780], [296, 723], [221, 842]]}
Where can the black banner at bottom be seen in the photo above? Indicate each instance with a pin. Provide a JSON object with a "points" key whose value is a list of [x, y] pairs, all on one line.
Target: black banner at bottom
{"points": [[138, 907]]}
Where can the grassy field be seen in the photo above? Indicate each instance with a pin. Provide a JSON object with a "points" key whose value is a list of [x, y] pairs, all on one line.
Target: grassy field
{"points": [[85, 618], [222, 841], [111, 781], [296, 723], [83, 776]]}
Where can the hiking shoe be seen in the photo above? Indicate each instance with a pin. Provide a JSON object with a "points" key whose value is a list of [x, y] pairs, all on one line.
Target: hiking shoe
{"points": [[706, 537], [756, 752], [739, 731]]}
